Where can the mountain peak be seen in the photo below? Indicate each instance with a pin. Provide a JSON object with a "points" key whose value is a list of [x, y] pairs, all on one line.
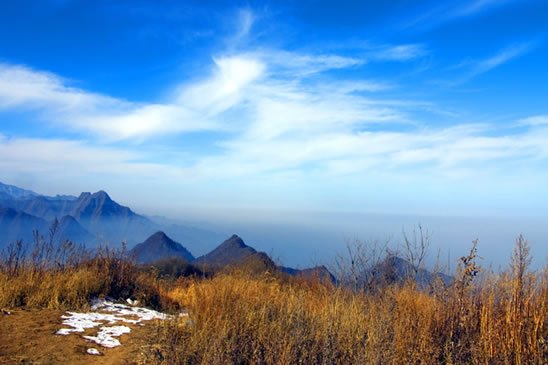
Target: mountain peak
{"points": [[159, 246], [84, 195], [231, 251], [234, 241], [99, 204], [160, 237], [102, 195]]}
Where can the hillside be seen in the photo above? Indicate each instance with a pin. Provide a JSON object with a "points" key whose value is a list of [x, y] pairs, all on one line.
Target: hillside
{"points": [[16, 225], [70, 229]]}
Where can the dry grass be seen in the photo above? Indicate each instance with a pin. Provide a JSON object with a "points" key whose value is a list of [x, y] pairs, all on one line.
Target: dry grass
{"points": [[243, 317], [250, 320], [67, 277]]}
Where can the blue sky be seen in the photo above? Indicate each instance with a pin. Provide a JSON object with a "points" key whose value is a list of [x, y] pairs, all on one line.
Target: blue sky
{"points": [[245, 108]]}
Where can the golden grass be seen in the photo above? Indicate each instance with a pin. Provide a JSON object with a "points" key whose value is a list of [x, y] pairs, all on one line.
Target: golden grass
{"points": [[108, 274], [245, 318]]}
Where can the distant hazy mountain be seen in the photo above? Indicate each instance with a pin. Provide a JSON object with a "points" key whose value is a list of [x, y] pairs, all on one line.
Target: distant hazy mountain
{"points": [[98, 206], [317, 272], [15, 225], [40, 206], [70, 229], [397, 270], [101, 219], [197, 239], [110, 221], [15, 192], [231, 251], [159, 247], [96, 217], [234, 252]]}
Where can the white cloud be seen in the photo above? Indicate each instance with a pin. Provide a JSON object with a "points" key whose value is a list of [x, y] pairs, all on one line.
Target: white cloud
{"points": [[537, 120], [404, 52], [110, 118], [49, 158], [444, 12], [441, 152], [280, 120], [477, 6], [224, 89], [472, 69], [284, 64], [246, 18], [196, 106], [23, 87], [501, 58]]}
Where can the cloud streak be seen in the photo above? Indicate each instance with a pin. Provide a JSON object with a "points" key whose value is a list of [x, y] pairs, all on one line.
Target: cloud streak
{"points": [[472, 69], [445, 12]]}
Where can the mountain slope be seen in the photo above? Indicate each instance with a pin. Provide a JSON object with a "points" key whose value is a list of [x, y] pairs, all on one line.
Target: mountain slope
{"points": [[16, 225], [320, 273], [70, 229], [158, 247], [15, 192], [40, 206], [395, 269]]}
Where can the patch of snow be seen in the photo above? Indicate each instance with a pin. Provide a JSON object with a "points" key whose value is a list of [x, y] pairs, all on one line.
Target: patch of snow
{"points": [[144, 314], [115, 313], [93, 351], [133, 302], [105, 337]]}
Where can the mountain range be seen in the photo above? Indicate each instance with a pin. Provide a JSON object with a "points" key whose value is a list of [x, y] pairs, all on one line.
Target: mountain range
{"points": [[231, 253], [95, 219], [92, 219]]}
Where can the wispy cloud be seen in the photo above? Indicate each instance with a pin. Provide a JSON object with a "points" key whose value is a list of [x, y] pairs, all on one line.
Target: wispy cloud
{"points": [[56, 156], [242, 23], [111, 118], [194, 106], [283, 63], [502, 57], [246, 18], [537, 120], [472, 69], [404, 52], [478, 6], [445, 12]]}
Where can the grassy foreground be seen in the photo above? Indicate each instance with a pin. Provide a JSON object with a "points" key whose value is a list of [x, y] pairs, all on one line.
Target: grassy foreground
{"points": [[243, 318]]}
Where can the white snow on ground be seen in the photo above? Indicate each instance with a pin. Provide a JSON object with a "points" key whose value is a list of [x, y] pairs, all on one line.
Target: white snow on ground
{"points": [[105, 337], [93, 351], [107, 312]]}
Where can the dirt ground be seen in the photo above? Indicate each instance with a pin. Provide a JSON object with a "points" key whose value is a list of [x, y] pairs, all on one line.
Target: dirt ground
{"points": [[28, 337]]}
